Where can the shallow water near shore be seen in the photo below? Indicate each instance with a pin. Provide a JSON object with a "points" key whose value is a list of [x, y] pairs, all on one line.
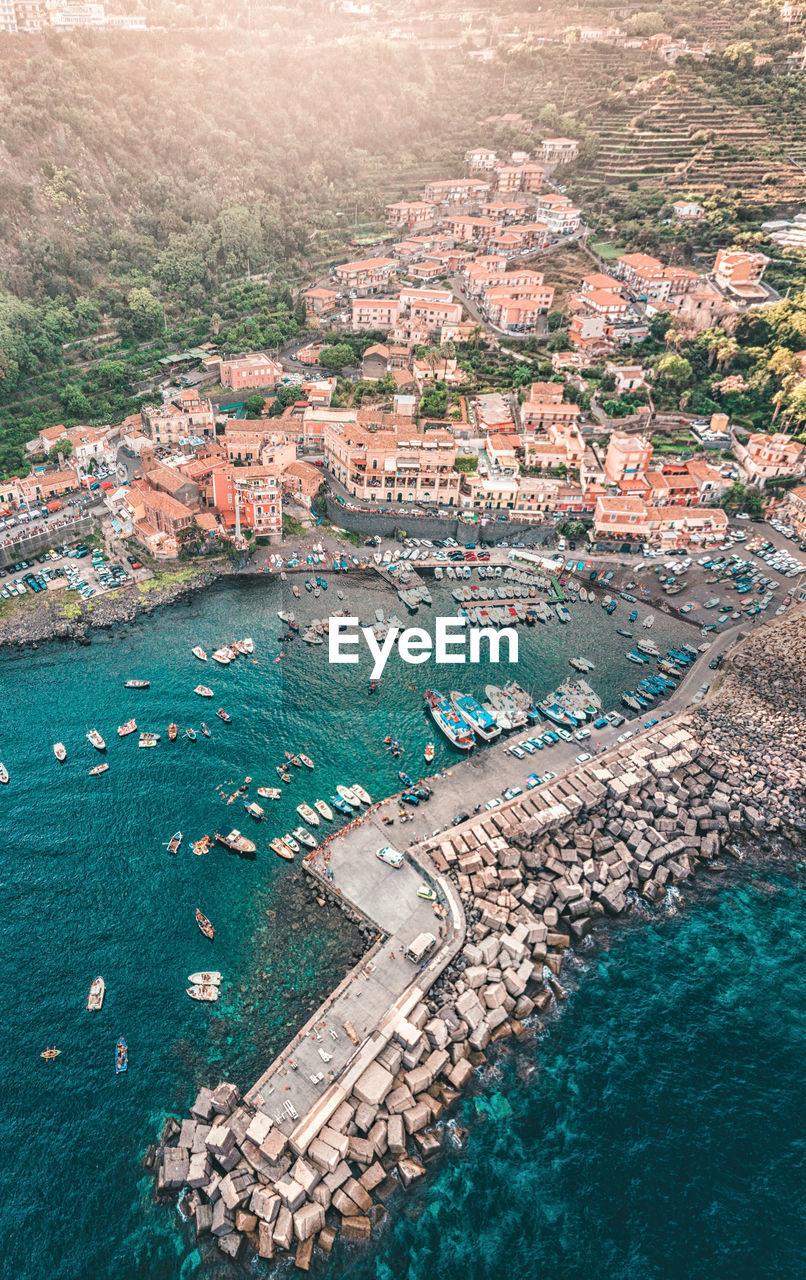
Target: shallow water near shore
{"points": [[90, 889]]}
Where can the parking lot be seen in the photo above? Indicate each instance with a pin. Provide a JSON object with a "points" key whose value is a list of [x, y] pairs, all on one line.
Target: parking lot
{"points": [[77, 569]]}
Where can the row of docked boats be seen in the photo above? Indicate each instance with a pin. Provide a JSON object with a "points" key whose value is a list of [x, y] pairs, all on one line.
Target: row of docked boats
{"points": [[226, 653], [346, 801], [670, 666]]}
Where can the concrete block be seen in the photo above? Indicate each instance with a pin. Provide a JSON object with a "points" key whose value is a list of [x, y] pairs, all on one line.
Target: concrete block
{"points": [[409, 1170], [399, 1100], [223, 1221], [265, 1238], [396, 1135], [343, 1203], [339, 1175], [306, 1175], [203, 1219], [308, 1220], [338, 1141], [377, 1136], [283, 1233], [361, 1151], [460, 1073], [416, 1118], [245, 1221], [202, 1108], [265, 1203], [291, 1193], [273, 1145], [364, 1117], [323, 1156], [259, 1128], [357, 1228], [494, 995]]}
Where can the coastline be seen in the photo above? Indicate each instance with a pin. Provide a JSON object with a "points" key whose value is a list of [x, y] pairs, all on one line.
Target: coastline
{"points": [[533, 880]]}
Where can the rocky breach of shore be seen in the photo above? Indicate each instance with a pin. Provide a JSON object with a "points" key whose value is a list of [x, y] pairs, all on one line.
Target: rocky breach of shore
{"points": [[47, 621], [535, 878]]}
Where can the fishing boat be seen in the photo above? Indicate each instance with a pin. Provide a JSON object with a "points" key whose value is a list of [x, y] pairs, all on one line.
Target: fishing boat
{"points": [[349, 795], [308, 814], [191, 733], [121, 1056], [291, 842], [232, 839], [631, 702], [475, 716], [284, 774], [222, 657], [248, 644], [199, 653], [582, 664], [448, 720], [148, 739], [137, 684], [204, 924], [281, 849], [372, 687], [635, 657], [648, 620], [296, 591], [633, 615], [430, 751], [206, 994], [303, 759], [253, 809], [628, 635], [205, 730], [405, 779], [3, 772], [324, 809], [305, 837], [173, 730], [96, 769], [203, 691], [50, 1054], [341, 805], [212, 979], [269, 793], [363, 795], [97, 992], [557, 714], [224, 715], [60, 751], [97, 741], [129, 727], [173, 844]]}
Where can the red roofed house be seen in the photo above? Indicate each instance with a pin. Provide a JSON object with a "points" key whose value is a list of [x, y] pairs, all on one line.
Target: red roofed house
{"points": [[303, 480], [411, 213], [762, 457], [319, 302], [368, 275], [739, 273], [375, 313], [249, 496]]}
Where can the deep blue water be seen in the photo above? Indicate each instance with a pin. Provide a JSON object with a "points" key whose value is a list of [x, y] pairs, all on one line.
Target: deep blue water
{"points": [[89, 888]]}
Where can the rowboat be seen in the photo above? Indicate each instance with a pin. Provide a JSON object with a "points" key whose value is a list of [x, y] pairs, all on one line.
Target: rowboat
{"points": [[429, 752], [129, 727], [363, 795], [205, 730], [224, 715], [199, 653], [60, 751], [308, 814], [306, 760], [340, 804], [203, 691], [148, 739], [222, 657], [191, 733], [349, 795], [322, 807], [212, 979], [286, 777], [282, 850], [404, 778], [3, 773], [253, 809], [98, 768], [304, 836], [97, 992], [50, 1054], [137, 684], [97, 741], [121, 1056], [248, 644], [204, 924], [291, 842], [173, 844], [173, 730], [269, 793], [206, 994]]}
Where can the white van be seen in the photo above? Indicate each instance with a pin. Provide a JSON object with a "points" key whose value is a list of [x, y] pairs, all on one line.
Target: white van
{"points": [[421, 947]]}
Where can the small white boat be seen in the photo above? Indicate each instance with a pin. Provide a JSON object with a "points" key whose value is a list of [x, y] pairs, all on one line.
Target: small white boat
{"points": [[222, 656], [97, 741], [60, 751], [347, 794], [98, 768], [308, 814], [363, 795], [3, 772], [202, 992], [248, 644], [199, 653], [205, 979], [269, 793], [290, 842], [97, 992], [322, 807], [148, 739], [305, 837], [127, 728], [203, 691], [648, 620]]}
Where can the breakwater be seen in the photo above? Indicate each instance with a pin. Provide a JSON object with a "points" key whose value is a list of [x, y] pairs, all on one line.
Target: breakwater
{"points": [[533, 878]]}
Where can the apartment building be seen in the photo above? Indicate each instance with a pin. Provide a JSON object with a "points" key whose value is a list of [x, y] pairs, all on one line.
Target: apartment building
{"points": [[179, 423], [763, 457], [604, 302], [544, 407], [375, 313], [319, 302], [473, 230], [627, 457], [587, 335], [558, 213], [480, 160], [432, 310], [739, 273], [249, 496], [456, 191], [413, 214], [250, 371], [396, 465], [560, 444], [557, 150], [368, 275]]}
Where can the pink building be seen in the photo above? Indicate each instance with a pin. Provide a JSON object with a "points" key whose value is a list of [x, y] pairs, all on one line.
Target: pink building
{"points": [[627, 457], [249, 372], [375, 313], [368, 275]]}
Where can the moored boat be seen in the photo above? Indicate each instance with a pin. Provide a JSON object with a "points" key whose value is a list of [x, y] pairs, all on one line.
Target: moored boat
{"points": [[173, 730], [222, 657], [121, 1056], [269, 793], [96, 769], [205, 994], [248, 644], [204, 924], [253, 809], [224, 715], [284, 774], [129, 727], [363, 795], [648, 620], [281, 849], [203, 691], [191, 733], [429, 752], [341, 805], [205, 730], [308, 814], [306, 760], [137, 684], [97, 741], [3, 772], [322, 807], [97, 992], [475, 716], [349, 795], [232, 839], [212, 979], [60, 751], [199, 653], [448, 720], [305, 837], [50, 1054], [291, 842], [174, 842], [148, 739]]}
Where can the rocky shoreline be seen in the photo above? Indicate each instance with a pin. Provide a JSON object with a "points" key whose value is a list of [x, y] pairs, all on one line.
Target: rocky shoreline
{"points": [[535, 880], [47, 622]]}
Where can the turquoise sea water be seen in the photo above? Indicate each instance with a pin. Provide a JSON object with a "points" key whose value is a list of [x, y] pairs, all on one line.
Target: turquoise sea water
{"points": [[89, 889]]}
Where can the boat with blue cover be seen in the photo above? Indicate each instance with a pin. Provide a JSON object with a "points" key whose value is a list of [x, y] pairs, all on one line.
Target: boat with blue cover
{"points": [[475, 716], [448, 720]]}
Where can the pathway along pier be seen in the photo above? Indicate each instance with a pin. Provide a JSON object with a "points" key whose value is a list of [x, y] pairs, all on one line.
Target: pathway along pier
{"points": [[522, 884]]}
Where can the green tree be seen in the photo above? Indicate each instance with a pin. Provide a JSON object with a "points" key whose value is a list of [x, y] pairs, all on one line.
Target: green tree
{"points": [[673, 374], [145, 313], [75, 402], [253, 405], [63, 446], [337, 357]]}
